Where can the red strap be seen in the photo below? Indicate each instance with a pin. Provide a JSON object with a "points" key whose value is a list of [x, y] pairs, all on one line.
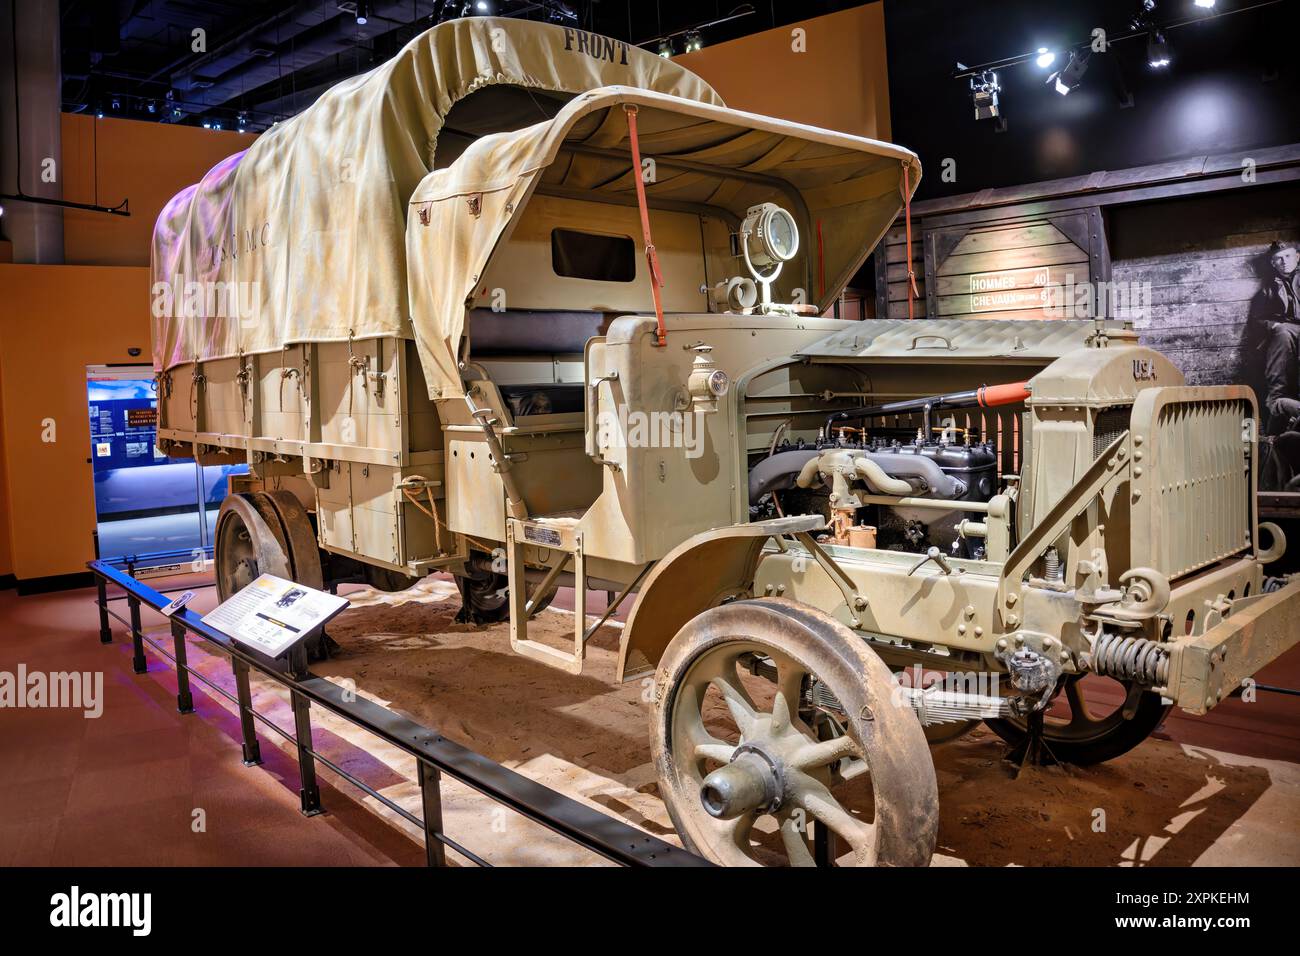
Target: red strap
{"points": [[821, 263], [652, 258], [912, 292]]}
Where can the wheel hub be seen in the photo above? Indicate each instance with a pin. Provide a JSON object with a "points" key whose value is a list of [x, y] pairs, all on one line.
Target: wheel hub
{"points": [[751, 781]]}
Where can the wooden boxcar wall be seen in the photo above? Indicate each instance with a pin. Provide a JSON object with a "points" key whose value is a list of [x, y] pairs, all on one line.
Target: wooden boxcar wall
{"points": [[1191, 270], [1206, 261]]}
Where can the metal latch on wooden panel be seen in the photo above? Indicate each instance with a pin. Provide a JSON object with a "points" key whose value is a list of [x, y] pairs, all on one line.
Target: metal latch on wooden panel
{"points": [[360, 365], [287, 373], [243, 377], [197, 381]]}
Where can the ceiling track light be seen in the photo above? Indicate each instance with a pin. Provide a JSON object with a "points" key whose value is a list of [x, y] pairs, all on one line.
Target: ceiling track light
{"points": [[694, 41], [1044, 57], [1158, 56], [1068, 77], [984, 95], [665, 48], [1204, 4]]}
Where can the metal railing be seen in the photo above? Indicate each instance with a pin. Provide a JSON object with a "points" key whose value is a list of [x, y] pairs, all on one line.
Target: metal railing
{"points": [[434, 754]]}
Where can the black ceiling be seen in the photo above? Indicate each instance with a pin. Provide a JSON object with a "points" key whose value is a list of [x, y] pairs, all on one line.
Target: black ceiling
{"points": [[268, 60]]}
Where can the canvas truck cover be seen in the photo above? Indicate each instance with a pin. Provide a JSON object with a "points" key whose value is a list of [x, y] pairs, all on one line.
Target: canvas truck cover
{"points": [[844, 191], [300, 237]]}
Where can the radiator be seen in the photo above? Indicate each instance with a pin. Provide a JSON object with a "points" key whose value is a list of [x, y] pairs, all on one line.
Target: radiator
{"points": [[1193, 477]]}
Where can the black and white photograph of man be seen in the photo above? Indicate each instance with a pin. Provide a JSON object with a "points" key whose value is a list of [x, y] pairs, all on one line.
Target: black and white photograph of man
{"points": [[1277, 307]]}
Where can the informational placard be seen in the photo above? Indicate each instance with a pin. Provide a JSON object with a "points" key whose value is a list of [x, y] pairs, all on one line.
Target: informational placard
{"points": [[272, 614], [1010, 289]]}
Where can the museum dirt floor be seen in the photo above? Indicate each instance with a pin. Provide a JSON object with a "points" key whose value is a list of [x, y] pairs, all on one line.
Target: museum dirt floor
{"points": [[1222, 789]]}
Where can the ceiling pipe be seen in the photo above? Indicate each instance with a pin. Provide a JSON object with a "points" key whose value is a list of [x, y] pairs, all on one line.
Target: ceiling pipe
{"points": [[31, 148], [303, 49]]}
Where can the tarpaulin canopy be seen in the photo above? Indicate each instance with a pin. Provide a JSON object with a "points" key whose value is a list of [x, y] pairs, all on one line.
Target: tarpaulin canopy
{"points": [[843, 190], [300, 237]]}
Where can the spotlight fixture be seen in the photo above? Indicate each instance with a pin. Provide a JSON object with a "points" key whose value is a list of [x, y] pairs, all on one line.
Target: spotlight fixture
{"points": [[665, 48], [117, 104], [1204, 4], [1044, 58], [694, 41], [483, 7], [151, 106], [363, 13], [1157, 50], [207, 124], [1068, 77], [984, 90], [558, 12]]}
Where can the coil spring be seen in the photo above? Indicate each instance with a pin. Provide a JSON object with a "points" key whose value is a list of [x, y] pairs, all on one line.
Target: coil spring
{"points": [[1131, 658], [1052, 570]]}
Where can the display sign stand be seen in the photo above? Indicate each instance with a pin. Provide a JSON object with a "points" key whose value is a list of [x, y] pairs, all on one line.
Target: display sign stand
{"points": [[273, 619]]}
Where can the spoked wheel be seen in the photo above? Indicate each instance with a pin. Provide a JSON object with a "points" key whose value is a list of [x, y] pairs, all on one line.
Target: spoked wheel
{"points": [[759, 771], [1079, 733]]}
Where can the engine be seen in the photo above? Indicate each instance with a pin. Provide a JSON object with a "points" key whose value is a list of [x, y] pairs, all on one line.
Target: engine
{"points": [[853, 476]]}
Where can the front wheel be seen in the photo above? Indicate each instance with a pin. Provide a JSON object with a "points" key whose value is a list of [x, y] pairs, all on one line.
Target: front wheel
{"points": [[772, 724]]}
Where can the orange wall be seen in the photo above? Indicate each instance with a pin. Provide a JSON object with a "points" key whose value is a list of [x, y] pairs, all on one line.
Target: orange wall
{"points": [[6, 547], [840, 81], [54, 321], [147, 163]]}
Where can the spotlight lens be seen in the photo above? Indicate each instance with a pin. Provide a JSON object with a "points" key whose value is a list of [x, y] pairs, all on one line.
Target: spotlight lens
{"points": [[782, 237], [1045, 57], [1205, 4]]}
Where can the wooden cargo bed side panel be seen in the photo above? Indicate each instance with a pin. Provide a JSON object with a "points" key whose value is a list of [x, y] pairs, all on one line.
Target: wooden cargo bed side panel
{"points": [[281, 396]]}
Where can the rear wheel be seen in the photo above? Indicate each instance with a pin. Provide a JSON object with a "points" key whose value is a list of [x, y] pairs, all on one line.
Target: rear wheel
{"points": [[267, 533], [759, 771], [1081, 733]]}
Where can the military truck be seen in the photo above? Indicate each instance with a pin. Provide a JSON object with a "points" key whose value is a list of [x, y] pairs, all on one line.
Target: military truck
{"points": [[535, 308]]}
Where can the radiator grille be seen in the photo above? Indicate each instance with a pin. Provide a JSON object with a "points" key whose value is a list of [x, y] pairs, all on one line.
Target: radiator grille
{"points": [[1202, 482], [1111, 423]]}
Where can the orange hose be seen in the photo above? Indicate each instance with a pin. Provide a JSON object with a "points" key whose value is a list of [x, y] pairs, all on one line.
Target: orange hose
{"points": [[990, 395]]}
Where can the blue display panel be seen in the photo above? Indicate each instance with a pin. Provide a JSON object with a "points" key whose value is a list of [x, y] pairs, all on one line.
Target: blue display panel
{"points": [[148, 506]]}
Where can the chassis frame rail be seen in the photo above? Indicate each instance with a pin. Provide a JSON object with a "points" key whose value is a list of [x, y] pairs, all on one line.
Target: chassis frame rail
{"points": [[434, 754]]}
